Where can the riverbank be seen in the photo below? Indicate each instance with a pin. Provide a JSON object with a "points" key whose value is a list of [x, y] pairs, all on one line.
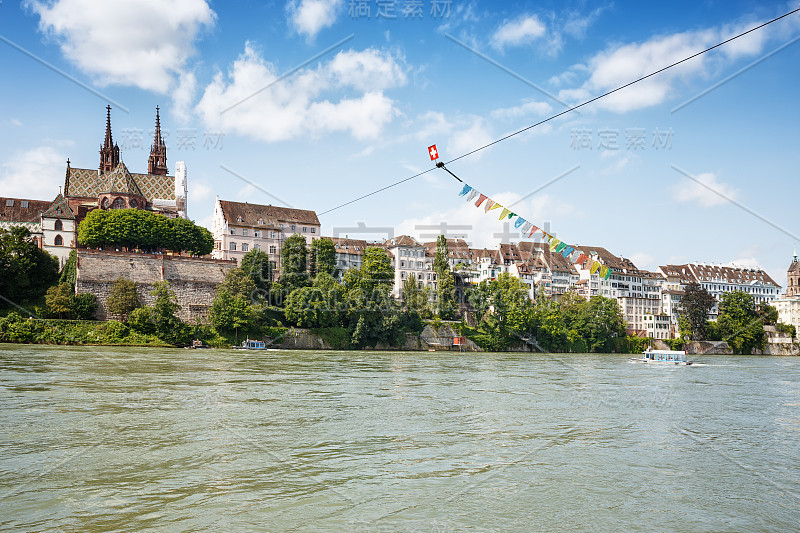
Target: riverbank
{"points": [[434, 337]]}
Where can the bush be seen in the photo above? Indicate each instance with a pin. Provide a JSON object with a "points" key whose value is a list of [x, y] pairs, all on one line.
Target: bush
{"points": [[83, 306]]}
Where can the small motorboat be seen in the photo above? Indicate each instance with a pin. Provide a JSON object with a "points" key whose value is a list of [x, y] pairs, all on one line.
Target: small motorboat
{"points": [[672, 357]]}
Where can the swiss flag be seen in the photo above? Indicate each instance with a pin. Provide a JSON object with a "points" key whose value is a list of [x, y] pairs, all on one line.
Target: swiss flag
{"points": [[433, 152]]}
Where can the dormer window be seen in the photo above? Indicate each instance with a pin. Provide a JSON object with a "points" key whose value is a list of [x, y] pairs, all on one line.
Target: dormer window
{"points": [[238, 219], [261, 221]]}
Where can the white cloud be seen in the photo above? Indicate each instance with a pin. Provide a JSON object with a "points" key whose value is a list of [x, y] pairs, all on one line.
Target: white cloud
{"points": [[469, 138], [523, 110], [523, 30], [644, 261], [309, 17], [484, 230], [15, 122], [34, 173], [253, 100], [691, 191], [622, 63], [745, 262], [141, 43], [199, 192], [183, 96]]}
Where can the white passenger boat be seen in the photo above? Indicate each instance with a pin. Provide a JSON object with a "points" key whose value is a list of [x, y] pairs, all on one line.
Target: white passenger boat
{"points": [[672, 357], [251, 345]]}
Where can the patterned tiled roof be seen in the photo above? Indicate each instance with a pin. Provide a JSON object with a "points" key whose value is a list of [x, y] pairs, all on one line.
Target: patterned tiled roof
{"points": [[89, 183], [233, 210], [59, 209], [120, 180], [31, 214]]}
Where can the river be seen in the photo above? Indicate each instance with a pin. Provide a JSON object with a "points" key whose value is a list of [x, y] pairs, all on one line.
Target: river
{"points": [[128, 439]]}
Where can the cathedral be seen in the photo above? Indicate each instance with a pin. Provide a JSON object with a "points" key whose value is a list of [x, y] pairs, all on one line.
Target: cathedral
{"points": [[112, 186]]}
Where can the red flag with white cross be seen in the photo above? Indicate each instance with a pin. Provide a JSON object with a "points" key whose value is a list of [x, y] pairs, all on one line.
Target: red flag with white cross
{"points": [[433, 152]]}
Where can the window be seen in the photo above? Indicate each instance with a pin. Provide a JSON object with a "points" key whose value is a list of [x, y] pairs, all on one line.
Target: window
{"points": [[238, 219], [233, 231], [58, 226], [292, 227], [305, 229], [233, 247], [119, 203], [59, 240], [261, 221], [255, 233], [245, 246], [23, 203], [255, 247], [133, 203], [273, 250], [217, 245], [313, 230], [244, 232], [271, 234], [9, 203]]}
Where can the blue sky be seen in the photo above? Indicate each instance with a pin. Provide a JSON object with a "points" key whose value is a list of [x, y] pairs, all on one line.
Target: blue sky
{"points": [[312, 103]]}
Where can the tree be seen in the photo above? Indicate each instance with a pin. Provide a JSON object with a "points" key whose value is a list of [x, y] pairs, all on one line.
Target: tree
{"points": [[445, 289], [135, 228], [323, 257], [59, 300], [294, 263], [695, 305], [377, 273], [167, 325], [739, 322], [258, 266], [124, 298], [414, 295], [26, 271], [84, 306], [232, 309], [69, 272], [768, 314]]}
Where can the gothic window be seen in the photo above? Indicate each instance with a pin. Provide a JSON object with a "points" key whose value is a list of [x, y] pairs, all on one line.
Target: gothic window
{"points": [[59, 240], [119, 203], [133, 203], [58, 226], [105, 203]]}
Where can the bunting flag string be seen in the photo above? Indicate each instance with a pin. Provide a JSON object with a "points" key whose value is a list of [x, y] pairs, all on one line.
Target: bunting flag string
{"points": [[570, 253]]}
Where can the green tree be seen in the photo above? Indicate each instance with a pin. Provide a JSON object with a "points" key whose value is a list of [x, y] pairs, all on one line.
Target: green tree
{"points": [[69, 272], [163, 314], [26, 271], [377, 273], [232, 309], [59, 300], [695, 305], [415, 296], [739, 322], [124, 298], [768, 314], [322, 258], [445, 288], [84, 306], [257, 265], [294, 263]]}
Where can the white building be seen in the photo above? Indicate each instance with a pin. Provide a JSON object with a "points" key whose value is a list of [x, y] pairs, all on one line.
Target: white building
{"points": [[410, 261], [239, 227], [59, 229]]}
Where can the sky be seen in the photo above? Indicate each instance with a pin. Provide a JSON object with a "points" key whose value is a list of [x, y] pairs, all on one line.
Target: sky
{"points": [[314, 103]]}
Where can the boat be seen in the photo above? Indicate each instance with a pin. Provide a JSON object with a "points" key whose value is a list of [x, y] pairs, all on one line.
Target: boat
{"points": [[197, 344], [672, 357], [251, 345]]}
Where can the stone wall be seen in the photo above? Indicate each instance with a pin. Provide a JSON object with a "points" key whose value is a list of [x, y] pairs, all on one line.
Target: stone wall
{"points": [[193, 279]]}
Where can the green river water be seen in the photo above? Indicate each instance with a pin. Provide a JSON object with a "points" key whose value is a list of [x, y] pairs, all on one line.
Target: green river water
{"points": [[126, 439]]}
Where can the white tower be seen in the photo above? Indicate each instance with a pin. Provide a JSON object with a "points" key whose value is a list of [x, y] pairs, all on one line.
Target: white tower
{"points": [[181, 189]]}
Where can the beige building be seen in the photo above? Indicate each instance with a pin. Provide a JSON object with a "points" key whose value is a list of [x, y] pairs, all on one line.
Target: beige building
{"points": [[410, 261], [239, 227]]}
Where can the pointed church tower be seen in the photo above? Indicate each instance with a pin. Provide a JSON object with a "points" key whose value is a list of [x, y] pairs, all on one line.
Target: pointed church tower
{"points": [[157, 162], [109, 152], [793, 278]]}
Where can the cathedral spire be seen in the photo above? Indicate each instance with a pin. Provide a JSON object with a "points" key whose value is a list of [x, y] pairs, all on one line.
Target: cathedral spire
{"points": [[157, 162], [109, 152]]}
